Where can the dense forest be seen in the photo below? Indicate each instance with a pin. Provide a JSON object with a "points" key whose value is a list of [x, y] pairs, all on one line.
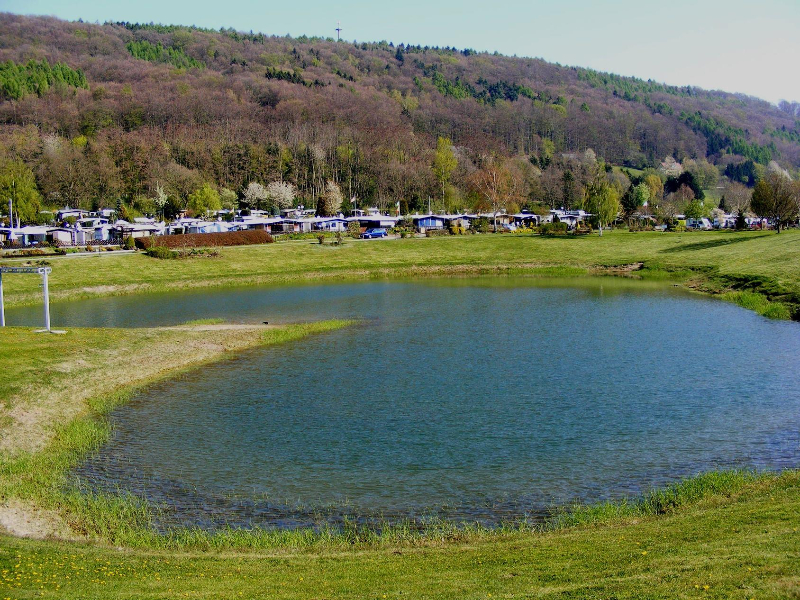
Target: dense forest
{"points": [[122, 114]]}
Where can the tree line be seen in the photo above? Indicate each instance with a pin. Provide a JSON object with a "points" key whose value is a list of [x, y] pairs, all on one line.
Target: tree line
{"points": [[364, 116], [80, 174]]}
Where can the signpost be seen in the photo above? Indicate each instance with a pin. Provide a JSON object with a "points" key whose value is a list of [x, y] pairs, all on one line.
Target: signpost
{"points": [[44, 272]]}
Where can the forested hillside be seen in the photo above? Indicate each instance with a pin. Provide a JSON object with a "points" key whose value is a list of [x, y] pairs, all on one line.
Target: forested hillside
{"points": [[107, 114]]}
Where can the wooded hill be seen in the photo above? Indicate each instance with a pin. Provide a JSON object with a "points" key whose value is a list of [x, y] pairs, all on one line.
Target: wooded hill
{"points": [[102, 113]]}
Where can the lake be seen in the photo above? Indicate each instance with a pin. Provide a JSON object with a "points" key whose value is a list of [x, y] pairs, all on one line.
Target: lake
{"points": [[487, 399]]}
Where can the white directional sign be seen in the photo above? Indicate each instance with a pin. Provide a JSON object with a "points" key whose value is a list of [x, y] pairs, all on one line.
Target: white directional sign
{"points": [[37, 270]]}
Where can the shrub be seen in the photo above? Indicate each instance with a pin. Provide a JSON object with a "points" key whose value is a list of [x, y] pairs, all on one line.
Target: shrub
{"points": [[553, 229], [197, 253], [33, 252], [194, 240], [129, 243], [354, 229], [165, 253], [481, 225], [160, 252], [308, 235], [436, 232]]}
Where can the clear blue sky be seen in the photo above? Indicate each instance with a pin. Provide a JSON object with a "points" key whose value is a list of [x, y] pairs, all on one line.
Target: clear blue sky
{"points": [[733, 45]]}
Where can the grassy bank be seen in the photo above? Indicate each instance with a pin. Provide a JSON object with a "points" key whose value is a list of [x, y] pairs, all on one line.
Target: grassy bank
{"points": [[716, 262], [57, 390], [738, 540]]}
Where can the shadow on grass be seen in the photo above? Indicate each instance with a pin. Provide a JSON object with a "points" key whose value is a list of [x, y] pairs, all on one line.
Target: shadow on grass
{"points": [[712, 244]]}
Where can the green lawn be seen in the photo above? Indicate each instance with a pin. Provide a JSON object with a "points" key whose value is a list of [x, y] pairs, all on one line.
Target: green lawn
{"points": [[739, 545], [775, 258]]}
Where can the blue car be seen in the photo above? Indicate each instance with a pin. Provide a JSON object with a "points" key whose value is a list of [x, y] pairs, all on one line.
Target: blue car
{"points": [[374, 233]]}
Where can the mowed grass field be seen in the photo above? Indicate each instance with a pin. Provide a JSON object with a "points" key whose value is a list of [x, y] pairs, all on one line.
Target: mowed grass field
{"points": [[752, 254], [737, 545]]}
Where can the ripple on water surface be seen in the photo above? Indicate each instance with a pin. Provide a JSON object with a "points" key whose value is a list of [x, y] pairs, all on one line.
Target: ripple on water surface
{"points": [[468, 399]]}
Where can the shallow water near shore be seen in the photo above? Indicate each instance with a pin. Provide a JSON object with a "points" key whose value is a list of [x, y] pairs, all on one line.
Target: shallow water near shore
{"points": [[479, 399]]}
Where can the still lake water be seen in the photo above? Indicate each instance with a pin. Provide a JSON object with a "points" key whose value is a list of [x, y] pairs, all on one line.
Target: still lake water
{"points": [[483, 399]]}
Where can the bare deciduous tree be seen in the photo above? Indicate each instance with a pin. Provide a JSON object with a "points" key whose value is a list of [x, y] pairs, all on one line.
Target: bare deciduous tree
{"points": [[776, 198], [496, 184]]}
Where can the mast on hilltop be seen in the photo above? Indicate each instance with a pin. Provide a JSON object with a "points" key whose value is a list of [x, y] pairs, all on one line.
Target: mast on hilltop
{"points": [[338, 30]]}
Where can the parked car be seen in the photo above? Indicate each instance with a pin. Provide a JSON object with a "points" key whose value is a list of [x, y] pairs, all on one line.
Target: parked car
{"points": [[374, 233]]}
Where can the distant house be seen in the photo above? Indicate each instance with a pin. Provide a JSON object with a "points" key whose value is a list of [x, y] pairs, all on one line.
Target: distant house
{"points": [[70, 236], [425, 222], [456, 221], [66, 212], [570, 217], [210, 227], [526, 219], [125, 230], [30, 235], [670, 167], [297, 213], [297, 225], [329, 224], [502, 218], [104, 233], [90, 229], [268, 224], [92, 222], [189, 225], [375, 220]]}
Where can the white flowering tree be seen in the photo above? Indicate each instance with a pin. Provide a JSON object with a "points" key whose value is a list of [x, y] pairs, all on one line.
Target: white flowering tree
{"points": [[254, 195], [331, 200], [281, 194], [160, 199]]}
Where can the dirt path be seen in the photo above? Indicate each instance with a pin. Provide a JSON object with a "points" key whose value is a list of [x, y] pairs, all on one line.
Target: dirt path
{"points": [[222, 327], [22, 520]]}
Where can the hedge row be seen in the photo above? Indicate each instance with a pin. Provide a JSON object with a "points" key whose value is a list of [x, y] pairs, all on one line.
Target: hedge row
{"points": [[196, 240]]}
